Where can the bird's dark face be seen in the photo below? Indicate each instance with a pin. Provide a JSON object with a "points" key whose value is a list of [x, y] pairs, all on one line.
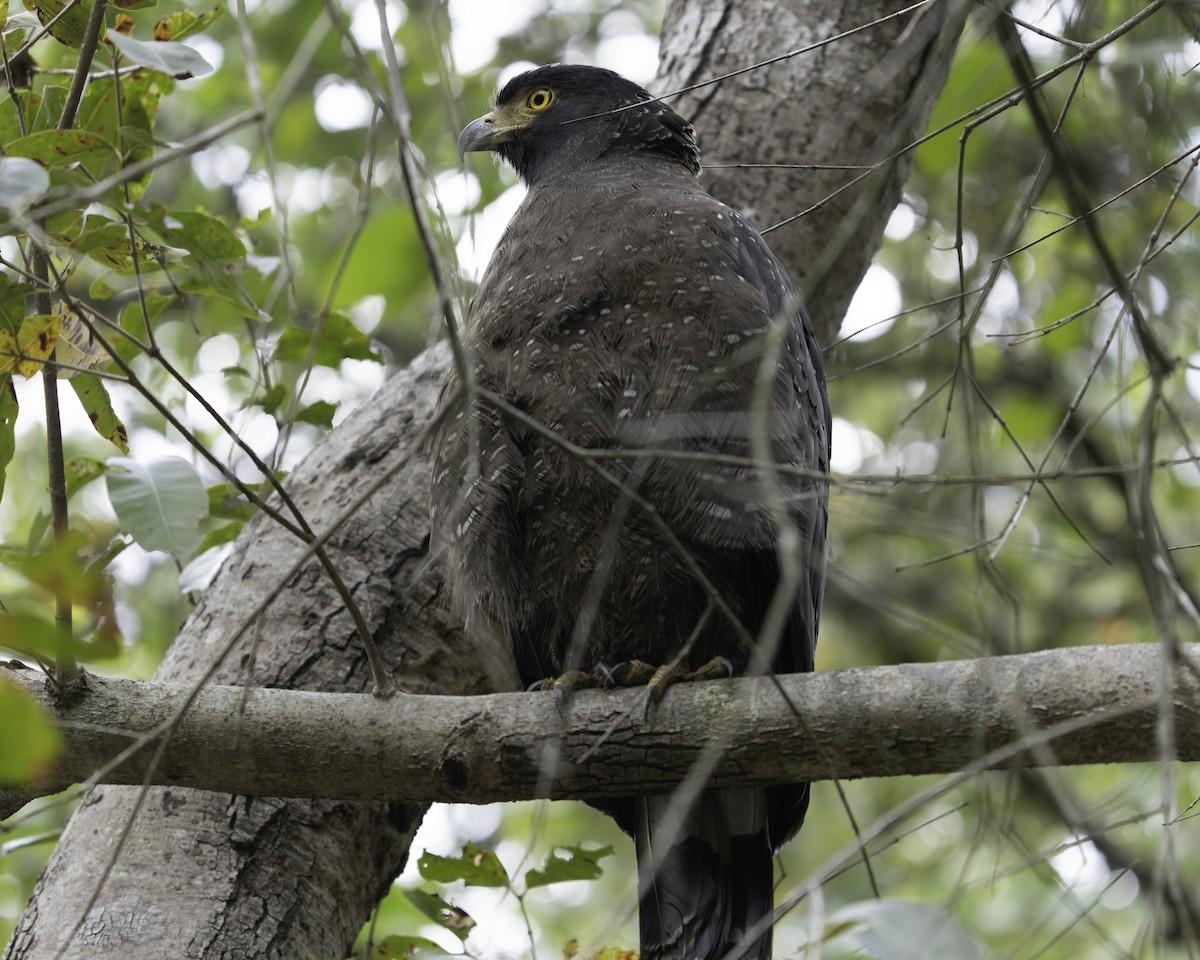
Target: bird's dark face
{"points": [[562, 115]]}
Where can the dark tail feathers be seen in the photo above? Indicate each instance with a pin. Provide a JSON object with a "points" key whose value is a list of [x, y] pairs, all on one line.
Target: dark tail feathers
{"points": [[705, 877]]}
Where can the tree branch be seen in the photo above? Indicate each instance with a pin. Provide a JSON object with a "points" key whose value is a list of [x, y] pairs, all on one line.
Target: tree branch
{"points": [[1057, 707]]}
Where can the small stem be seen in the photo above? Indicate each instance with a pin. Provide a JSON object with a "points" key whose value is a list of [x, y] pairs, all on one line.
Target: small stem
{"points": [[67, 668], [87, 51]]}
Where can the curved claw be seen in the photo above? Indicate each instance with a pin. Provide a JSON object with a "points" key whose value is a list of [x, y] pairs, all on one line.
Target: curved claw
{"points": [[562, 687], [718, 668]]}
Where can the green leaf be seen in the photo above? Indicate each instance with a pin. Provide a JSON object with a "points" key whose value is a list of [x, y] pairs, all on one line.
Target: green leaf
{"points": [[206, 237], [49, 109], [80, 471], [177, 60], [61, 148], [183, 23], [400, 948], [8, 420], [225, 500], [338, 339], [107, 243], [12, 302], [272, 398], [452, 918], [319, 413], [22, 181], [223, 534], [29, 741], [97, 405], [31, 635], [70, 29], [476, 867], [13, 112], [160, 503], [3, 13], [578, 864]]}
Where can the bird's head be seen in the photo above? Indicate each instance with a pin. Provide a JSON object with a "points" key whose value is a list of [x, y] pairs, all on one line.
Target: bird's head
{"points": [[554, 118]]}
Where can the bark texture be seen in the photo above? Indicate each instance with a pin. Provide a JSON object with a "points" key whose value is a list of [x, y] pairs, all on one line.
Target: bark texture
{"points": [[1077, 705], [214, 875], [207, 874], [854, 102]]}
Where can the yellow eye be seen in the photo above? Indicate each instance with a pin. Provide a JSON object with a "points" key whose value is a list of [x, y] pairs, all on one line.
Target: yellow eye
{"points": [[540, 98]]}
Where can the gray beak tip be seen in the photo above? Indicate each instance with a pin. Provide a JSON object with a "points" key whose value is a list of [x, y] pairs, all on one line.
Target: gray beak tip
{"points": [[478, 135]]}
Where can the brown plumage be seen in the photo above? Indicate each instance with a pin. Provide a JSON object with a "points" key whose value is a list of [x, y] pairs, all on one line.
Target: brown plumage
{"points": [[625, 309]]}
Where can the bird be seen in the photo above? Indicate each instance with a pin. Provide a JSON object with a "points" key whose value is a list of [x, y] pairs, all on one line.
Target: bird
{"points": [[633, 448]]}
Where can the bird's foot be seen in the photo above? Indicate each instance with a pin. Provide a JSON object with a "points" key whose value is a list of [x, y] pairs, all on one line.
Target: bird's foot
{"points": [[573, 680], [635, 673]]}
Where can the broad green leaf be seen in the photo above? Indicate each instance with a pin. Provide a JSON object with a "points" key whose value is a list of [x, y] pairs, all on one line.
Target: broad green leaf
{"points": [[31, 635], [70, 29], [107, 243], [22, 181], [60, 148], [3, 13], [13, 114], [177, 60], [101, 289], [141, 93], [8, 420], [578, 864], [225, 500], [34, 341], [90, 390], [12, 302], [80, 471], [29, 741], [476, 867], [452, 918], [204, 236], [319, 413], [400, 948], [49, 109], [223, 534], [339, 339], [271, 399], [160, 503], [183, 23]]}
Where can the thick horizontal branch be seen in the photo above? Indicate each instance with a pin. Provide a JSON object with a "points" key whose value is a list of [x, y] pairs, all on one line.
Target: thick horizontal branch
{"points": [[1061, 707]]}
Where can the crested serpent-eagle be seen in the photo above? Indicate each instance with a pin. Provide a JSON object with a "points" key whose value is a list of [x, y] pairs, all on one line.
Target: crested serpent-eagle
{"points": [[627, 311]]}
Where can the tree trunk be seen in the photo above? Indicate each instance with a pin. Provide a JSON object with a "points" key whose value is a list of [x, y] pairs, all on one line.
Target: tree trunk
{"points": [[208, 875]]}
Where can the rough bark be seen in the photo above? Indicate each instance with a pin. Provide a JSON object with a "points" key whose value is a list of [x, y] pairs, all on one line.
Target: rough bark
{"points": [[218, 875], [1072, 706], [857, 101], [215, 875]]}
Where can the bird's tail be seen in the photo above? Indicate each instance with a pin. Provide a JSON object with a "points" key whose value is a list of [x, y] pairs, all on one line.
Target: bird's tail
{"points": [[705, 877]]}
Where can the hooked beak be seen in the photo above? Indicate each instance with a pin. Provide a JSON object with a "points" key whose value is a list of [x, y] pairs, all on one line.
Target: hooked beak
{"points": [[479, 135]]}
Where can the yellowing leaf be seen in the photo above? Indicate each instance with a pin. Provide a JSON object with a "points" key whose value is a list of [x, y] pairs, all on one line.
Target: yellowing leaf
{"points": [[27, 351]]}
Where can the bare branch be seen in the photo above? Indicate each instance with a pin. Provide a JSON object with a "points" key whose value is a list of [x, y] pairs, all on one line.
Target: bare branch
{"points": [[1052, 708]]}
